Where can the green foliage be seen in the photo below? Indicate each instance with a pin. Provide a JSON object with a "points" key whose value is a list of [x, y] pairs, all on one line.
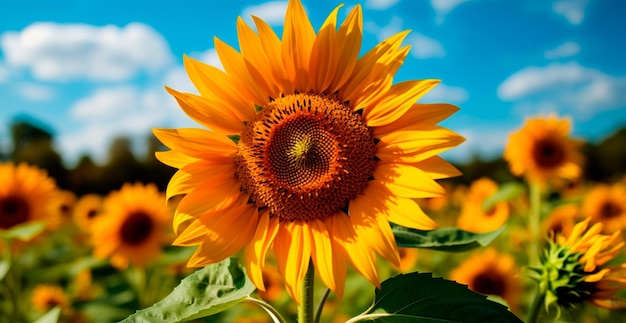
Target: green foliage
{"points": [[506, 192], [443, 239], [418, 297], [24, 231], [51, 317], [207, 291]]}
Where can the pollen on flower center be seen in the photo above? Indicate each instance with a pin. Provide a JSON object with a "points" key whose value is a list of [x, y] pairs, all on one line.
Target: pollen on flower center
{"points": [[305, 156]]}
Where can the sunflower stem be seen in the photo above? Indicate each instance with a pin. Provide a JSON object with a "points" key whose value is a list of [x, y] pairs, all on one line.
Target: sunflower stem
{"points": [[533, 219], [535, 308], [305, 311]]}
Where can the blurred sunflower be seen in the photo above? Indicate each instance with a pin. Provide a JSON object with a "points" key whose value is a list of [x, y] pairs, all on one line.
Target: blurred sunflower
{"points": [[273, 288], [408, 258], [607, 205], [46, 297], [573, 268], [311, 151], [86, 210], [561, 220], [491, 273], [26, 194], [65, 205], [132, 227], [474, 217], [543, 151]]}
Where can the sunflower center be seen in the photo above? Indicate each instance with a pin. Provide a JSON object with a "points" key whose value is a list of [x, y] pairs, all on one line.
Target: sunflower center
{"points": [[548, 153], [610, 210], [305, 156], [13, 210], [489, 284], [137, 228]]}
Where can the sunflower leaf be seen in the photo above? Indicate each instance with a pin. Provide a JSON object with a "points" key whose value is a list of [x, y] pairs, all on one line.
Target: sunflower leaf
{"points": [[507, 192], [443, 239], [207, 291], [419, 297], [24, 231], [52, 316]]}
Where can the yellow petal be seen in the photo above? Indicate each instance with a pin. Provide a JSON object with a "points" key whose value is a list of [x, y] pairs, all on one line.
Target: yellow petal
{"points": [[272, 47], [323, 62], [198, 143], [417, 117], [174, 158], [193, 175], [372, 223], [396, 102], [401, 211], [437, 168], [405, 180], [331, 270], [216, 117], [292, 247], [349, 43], [410, 146], [256, 249], [298, 38], [360, 256], [252, 50]]}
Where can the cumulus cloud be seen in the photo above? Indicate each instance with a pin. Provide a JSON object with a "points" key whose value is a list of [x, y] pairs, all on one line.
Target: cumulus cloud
{"points": [[572, 10], [566, 49], [380, 4], [272, 12], [445, 93], [422, 46], [443, 7], [35, 92], [64, 52], [564, 88], [117, 111]]}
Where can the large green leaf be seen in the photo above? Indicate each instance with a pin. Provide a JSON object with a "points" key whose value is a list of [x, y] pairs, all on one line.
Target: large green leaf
{"points": [[24, 231], [418, 297], [444, 239], [207, 291]]}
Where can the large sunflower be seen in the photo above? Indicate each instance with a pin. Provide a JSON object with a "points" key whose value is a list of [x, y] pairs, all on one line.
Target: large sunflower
{"points": [[311, 151], [132, 227], [26, 194], [543, 151]]}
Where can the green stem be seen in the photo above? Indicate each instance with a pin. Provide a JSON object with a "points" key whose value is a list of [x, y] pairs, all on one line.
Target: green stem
{"points": [[535, 308], [273, 313], [533, 223], [305, 311], [320, 306]]}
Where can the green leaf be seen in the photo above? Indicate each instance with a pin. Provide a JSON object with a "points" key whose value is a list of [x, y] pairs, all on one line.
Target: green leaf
{"points": [[234, 138], [24, 231], [506, 192], [444, 239], [207, 291], [5, 265], [52, 316], [418, 297]]}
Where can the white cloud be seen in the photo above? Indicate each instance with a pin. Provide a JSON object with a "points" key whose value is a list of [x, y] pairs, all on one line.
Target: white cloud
{"points": [[566, 49], [422, 47], [176, 78], [63, 52], [380, 4], [445, 93], [572, 10], [443, 7], [35, 92], [209, 57], [4, 73], [483, 138], [272, 12], [564, 88], [119, 111]]}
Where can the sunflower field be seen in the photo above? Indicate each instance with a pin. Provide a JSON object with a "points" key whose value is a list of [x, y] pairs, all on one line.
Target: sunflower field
{"points": [[316, 193]]}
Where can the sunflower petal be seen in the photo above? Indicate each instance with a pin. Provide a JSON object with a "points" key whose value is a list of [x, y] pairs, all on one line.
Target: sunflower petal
{"points": [[256, 249], [399, 99], [298, 38], [410, 146], [405, 180], [437, 168], [256, 59], [174, 158], [401, 211], [272, 47], [349, 39], [194, 174], [417, 117], [331, 271], [292, 247], [198, 143]]}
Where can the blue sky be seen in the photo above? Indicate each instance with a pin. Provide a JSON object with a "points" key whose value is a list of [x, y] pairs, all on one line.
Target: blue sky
{"points": [[92, 70]]}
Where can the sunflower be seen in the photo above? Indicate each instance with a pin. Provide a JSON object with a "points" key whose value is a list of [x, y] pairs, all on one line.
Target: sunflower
{"points": [[561, 220], [474, 217], [132, 227], [273, 288], [573, 269], [311, 151], [607, 205], [543, 151], [491, 273], [86, 210], [64, 206], [408, 258], [46, 297], [26, 194]]}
